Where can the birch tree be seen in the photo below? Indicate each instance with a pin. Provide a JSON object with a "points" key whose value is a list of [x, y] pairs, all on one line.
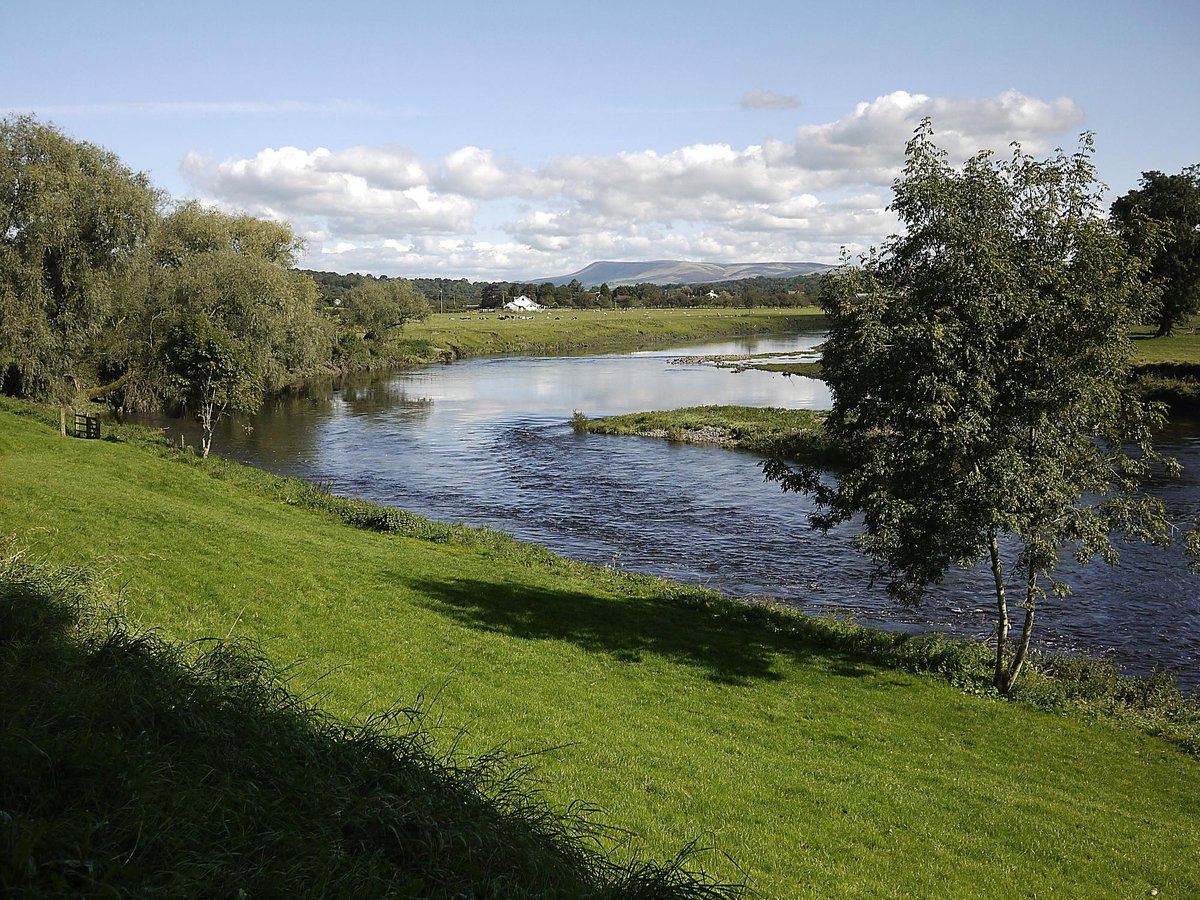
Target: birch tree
{"points": [[980, 371]]}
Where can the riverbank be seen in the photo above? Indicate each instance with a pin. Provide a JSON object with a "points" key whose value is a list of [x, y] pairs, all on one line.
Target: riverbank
{"points": [[490, 333], [808, 751], [135, 766]]}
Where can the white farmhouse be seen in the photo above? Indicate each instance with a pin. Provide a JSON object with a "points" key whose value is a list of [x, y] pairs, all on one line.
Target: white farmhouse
{"points": [[523, 304]]}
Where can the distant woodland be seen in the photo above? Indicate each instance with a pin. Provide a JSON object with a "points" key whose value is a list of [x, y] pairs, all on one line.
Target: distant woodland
{"points": [[445, 294]]}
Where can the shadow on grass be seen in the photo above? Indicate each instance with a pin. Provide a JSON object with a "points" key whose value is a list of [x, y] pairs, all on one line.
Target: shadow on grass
{"points": [[719, 642], [134, 767]]}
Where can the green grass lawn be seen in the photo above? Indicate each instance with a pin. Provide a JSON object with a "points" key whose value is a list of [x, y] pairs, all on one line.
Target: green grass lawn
{"points": [[1181, 347], [815, 772]]}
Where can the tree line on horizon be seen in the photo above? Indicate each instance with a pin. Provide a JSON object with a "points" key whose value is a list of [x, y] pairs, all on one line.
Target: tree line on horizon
{"points": [[449, 295]]}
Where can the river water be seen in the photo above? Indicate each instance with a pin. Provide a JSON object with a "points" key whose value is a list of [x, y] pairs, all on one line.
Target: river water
{"points": [[488, 442]]}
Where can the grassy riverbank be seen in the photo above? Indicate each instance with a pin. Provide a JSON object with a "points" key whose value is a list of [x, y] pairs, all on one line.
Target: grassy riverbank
{"points": [[138, 767], [807, 752], [456, 335], [1168, 368]]}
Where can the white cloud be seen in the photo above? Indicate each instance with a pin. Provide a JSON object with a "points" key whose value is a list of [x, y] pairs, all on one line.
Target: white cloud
{"points": [[478, 214], [768, 100], [355, 193]]}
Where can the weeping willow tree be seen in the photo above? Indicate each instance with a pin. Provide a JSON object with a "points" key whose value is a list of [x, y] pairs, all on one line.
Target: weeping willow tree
{"points": [[102, 293], [72, 219]]}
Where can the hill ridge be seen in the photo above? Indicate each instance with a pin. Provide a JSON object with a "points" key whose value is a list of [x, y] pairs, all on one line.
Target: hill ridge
{"points": [[615, 273]]}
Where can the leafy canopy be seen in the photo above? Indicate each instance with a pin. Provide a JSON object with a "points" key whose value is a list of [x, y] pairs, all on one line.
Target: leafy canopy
{"points": [[380, 306], [71, 218], [979, 365], [1161, 220], [236, 320]]}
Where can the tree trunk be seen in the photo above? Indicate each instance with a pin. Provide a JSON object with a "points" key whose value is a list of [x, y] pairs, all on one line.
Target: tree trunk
{"points": [[206, 428], [98, 392], [1002, 613], [1009, 678], [206, 437]]}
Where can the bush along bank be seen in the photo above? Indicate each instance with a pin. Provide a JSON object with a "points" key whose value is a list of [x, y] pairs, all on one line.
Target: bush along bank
{"points": [[1177, 384]]}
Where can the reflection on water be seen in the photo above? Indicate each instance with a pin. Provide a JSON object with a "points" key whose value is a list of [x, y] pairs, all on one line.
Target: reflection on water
{"points": [[487, 442]]}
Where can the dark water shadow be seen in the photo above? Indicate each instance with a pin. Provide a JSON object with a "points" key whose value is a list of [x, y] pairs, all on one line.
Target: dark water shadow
{"points": [[726, 649]]}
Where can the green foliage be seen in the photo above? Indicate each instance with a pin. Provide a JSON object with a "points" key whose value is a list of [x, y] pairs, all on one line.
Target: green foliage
{"points": [[980, 370], [379, 307], [71, 218], [443, 293], [237, 321], [96, 286], [1161, 220]]}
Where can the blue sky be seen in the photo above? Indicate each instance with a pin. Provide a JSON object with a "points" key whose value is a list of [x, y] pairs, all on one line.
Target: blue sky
{"points": [[499, 140]]}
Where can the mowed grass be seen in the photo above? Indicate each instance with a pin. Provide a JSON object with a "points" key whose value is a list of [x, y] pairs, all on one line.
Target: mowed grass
{"points": [[1182, 347], [481, 333], [816, 773]]}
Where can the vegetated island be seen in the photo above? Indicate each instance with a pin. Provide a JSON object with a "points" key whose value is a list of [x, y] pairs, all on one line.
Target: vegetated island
{"points": [[822, 757], [789, 433]]}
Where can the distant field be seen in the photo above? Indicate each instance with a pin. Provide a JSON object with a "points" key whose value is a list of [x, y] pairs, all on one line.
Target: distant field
{"points": [[1183, 347], [563, 330], [818, 771]]}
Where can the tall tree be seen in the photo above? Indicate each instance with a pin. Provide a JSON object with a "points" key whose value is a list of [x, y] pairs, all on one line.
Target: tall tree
{"points": [[71, 218], [491, 296], [235, 318], [379, 307], [1161, 220], [979, 365]]}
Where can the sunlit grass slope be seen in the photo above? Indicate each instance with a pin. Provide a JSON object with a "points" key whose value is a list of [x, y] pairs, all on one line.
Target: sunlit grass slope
{"points": [[817, 772], [137, 767]]}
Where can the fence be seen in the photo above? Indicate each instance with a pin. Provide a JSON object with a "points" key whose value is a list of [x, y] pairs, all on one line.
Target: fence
{"points": [[87, 426]]}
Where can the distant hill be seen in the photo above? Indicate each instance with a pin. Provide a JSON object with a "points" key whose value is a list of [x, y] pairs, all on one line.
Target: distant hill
{"points": [[674, 271]]}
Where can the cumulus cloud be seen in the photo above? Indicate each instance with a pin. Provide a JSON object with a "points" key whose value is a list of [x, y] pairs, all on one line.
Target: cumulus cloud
{"points": [[355, 193], [484, 175], [768, 100], [479, 214]]}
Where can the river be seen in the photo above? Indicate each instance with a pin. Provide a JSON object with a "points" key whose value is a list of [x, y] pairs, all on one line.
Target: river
{"points": [[488, 442]]}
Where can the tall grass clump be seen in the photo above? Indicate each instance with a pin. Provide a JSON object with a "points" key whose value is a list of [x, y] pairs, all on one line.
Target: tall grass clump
{"points": [[133, 766]]}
